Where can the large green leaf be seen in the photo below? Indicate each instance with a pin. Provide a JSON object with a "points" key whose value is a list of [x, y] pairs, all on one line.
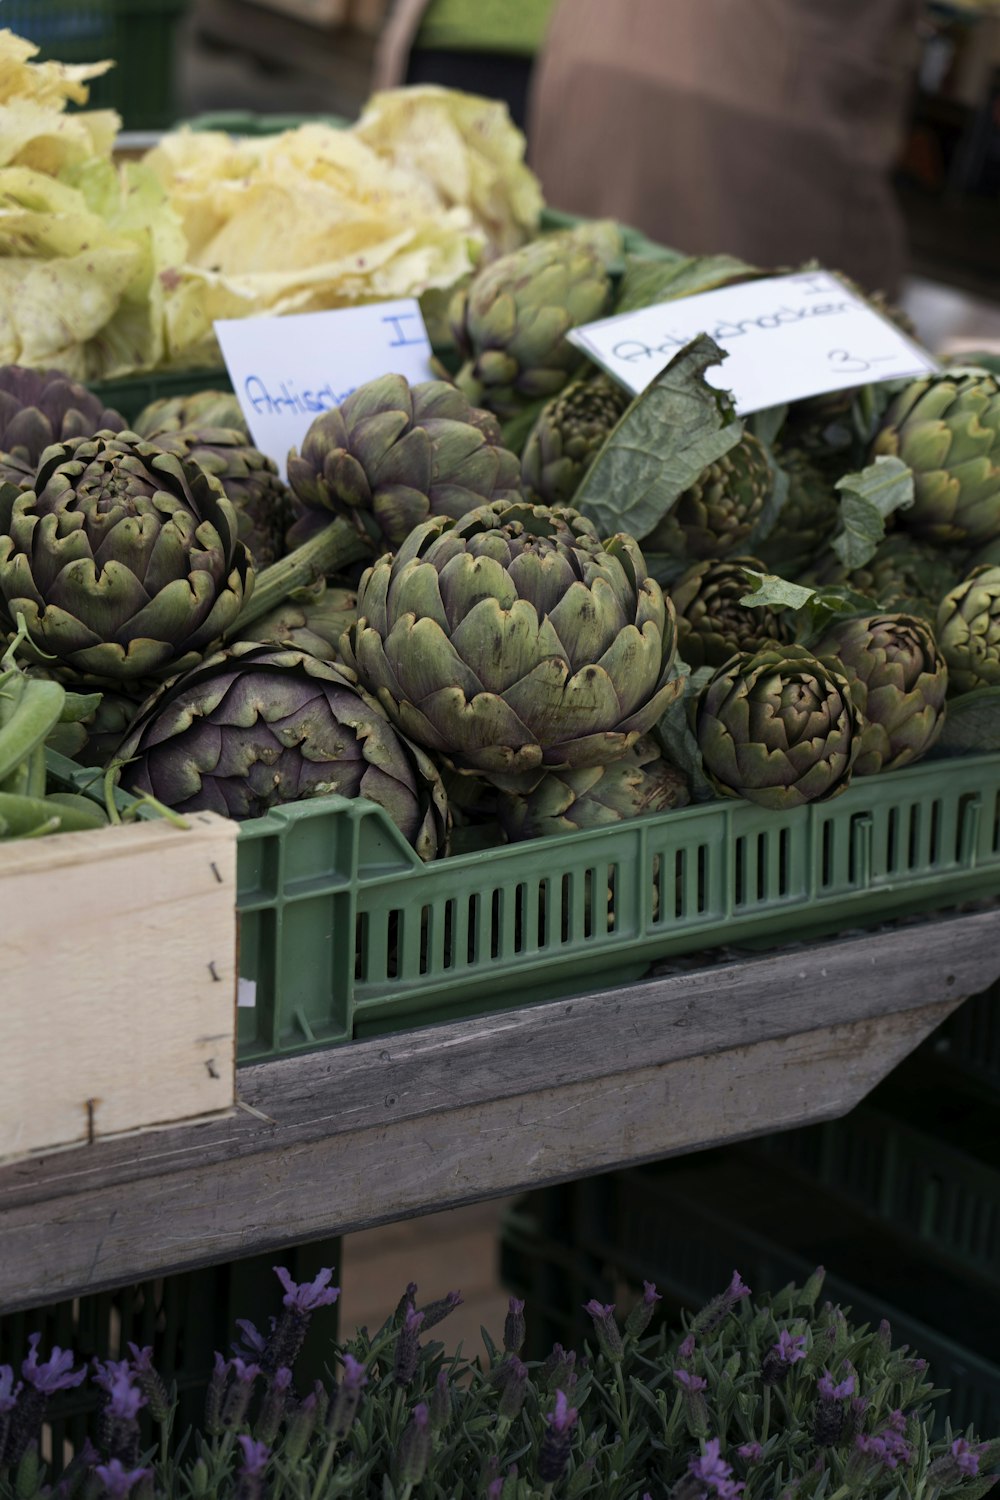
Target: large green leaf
{"points": [[816, 609], [972, 723], [867, 500], [669, 434], [647, 282]]}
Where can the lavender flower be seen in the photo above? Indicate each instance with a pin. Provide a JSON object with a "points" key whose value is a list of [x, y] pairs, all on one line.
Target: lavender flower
{"points": [[254, 1344], [515, 1388], [750, 1451], [300, 1428], [414, 1447], [9, 1392], [55, 1374], [254, 1459], [117, 1480], [514, 1327], [407, 1350], [436, 1312], [966, 1458], [307, 1296], [686, 1349], [214, 1394], [716, 1311], [781, 1356], [695, 1405], [107, 1371], [125, 1398], [558, 1368], [300, 1301], [150, 1382], [606, 1331], [692, 1383], [272, 1407], [553, 1455], [830, 1416], [345, 1403], [440, 1402], [238, 1396], [641, 1313], [710, 1465], [831, 1392]]}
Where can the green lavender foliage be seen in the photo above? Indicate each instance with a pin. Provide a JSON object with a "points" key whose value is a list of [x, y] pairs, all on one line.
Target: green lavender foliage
{"points": [[777, 1399]]}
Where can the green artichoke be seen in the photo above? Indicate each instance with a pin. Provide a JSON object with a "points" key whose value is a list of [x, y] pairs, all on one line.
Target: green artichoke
{"points": [[808, 517], [639, 783], [720, 510], [779, 728], [901, 681], [968, 630], [905, 575], [182, 413], [264, 506], [568, 436], [712, 623], [256, 726], [947, 428], [41, 407], [510, 325], [312, 622], [515, 641], [393, 454], [124, 561]]}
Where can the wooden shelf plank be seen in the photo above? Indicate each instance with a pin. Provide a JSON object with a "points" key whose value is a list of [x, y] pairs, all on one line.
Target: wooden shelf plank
{"points": [[379, 1130]]}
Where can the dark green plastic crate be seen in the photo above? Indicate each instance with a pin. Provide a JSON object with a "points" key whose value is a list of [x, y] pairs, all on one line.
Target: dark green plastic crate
{"points": [[345, 933], [686, 1225], [920, 1158], [138, 35]]}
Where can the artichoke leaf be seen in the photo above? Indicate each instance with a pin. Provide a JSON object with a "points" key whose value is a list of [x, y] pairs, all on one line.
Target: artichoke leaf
{"points": [[867, 500], [647, 282], [817, 609], [665, 439]]}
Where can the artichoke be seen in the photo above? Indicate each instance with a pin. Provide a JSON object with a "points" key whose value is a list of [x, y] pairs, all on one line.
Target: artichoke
{"points": [[905, 575], [778, 727], [515, 641], [901, 680], [720, 510], [712, 623], [639, 783], [41, 407], [393, 454], [124, 561], [313, 623], [808, 517], [968, 630], [947, 429], [510, 325], [568, 436], [181, 413], [263, 502], [256, 726]]}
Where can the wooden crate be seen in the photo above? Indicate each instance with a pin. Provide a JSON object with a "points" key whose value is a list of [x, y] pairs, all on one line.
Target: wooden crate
{"points": [[117, 997]]}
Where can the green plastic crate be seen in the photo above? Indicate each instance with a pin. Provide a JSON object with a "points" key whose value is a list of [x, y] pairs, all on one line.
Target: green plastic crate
{"points": [[686, 1224], [345, 933], [185, 1317], [918, 1157], [139, 35]]}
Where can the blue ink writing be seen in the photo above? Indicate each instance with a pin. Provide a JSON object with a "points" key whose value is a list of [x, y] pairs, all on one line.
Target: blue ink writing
{"points": [[397, 320], [631, 350], [279, 400]]}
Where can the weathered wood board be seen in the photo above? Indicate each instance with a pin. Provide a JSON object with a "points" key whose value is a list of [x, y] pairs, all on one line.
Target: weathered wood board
{"points": [[383, 1129], [117, 995]]}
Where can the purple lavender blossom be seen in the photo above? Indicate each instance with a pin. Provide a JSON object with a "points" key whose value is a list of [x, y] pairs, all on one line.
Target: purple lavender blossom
{"points": [[494, 1489], [686, 1349], [710, 1465], [515, 1388], [750, 1451], [790, 1347], [345, 1402], [831, 1392], [966, 1458], [150, 1382], [691, 1383], [9, 1392], [307, 1296], [641, 1314], [606, 1329], [414, 1447], [254, 1343], [54, 1374], [737, 1288], [125, 1399], [107, 1371], [436, 1312], [716, 1311], [553, 1455], [255, 1456], [117, 1480], [514, 1326], [407, 1350]]}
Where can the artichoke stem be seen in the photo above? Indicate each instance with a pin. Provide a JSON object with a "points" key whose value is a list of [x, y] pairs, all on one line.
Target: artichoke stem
{"points": [[329, 550]]}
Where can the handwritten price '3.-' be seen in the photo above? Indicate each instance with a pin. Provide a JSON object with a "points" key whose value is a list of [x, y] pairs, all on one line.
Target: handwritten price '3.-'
{"points": [[843, 359]]}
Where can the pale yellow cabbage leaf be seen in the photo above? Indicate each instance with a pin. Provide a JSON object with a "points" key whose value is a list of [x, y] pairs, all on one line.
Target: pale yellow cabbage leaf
{"points": [[53, 84], [467, 150]]}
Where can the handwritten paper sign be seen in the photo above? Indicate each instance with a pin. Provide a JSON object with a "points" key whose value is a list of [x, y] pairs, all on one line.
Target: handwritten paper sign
{"points": [[787, 337], [285, 371]]}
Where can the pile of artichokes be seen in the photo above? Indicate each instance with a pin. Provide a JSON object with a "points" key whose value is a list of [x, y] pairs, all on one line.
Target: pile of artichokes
{"points": [[438, 611]]}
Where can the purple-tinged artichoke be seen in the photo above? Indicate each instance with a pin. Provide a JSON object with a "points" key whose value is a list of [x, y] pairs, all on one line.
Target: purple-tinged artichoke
{"points": [[901, 679], [712, 624], [515, 641], [314, 623], [124, 561], [42, 407], [392, 455], [257, 726], [639, 783], [779, 727], [182, 413]]}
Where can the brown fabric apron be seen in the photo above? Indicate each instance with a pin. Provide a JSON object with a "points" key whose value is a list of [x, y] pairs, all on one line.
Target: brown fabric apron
{"points": [[765, 128]]}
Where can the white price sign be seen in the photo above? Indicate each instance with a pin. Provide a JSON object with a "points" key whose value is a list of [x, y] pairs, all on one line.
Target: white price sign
{"points": [[787, 337], [285, 371]]}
